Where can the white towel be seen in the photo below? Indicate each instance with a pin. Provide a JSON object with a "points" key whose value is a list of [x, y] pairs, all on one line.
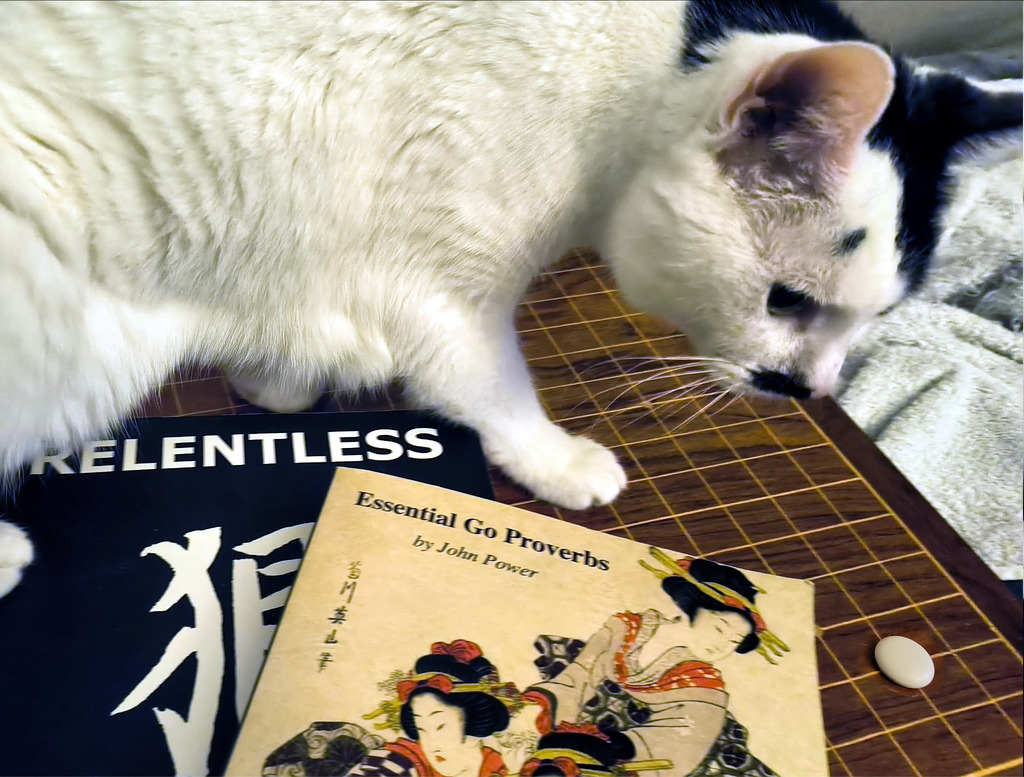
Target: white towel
{"points": [[938, 383]]}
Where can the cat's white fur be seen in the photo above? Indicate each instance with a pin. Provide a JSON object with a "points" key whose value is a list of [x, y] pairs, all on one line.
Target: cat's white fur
{"points": [[703, 256], [319, 196]]}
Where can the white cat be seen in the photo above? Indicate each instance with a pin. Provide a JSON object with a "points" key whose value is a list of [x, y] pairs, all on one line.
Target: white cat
{"points": [[322, 196]]}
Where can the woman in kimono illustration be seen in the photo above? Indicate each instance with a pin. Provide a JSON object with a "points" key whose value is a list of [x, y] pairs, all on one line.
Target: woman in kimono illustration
{"points": [[445, 706], [450, 700], [653, 677]]}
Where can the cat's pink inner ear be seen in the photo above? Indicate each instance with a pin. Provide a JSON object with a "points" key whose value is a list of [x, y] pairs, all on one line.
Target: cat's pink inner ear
{"points": [[820, 101], [848, 84]]}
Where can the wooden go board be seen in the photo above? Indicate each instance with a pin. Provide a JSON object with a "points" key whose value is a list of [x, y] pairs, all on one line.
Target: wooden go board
{"points": [[780, 487]]}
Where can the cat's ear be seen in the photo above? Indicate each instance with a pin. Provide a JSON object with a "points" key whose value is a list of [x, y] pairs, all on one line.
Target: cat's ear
{"points": [[802, 117]]}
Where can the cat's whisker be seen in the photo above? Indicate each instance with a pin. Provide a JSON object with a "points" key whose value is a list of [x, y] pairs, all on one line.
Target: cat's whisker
{"points": [[661, 366], [676, 395], [607, 365], [636, 384], [728, 391], [649, 405], [674, 392], [693, 415], [667, 359], [685, 390], [640, 364], [735, 397], [694, 374]]}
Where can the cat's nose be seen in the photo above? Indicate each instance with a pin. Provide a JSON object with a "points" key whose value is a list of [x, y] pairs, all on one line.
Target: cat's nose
{"points": [[775, 382]]}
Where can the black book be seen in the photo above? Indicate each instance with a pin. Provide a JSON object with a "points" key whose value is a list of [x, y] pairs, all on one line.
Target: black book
{"points": [[164, 557]]}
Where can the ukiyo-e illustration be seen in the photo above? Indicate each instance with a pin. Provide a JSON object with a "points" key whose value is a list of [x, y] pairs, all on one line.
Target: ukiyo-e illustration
{"points": [[645, 683], [444, 708], [655, 677], [647, 663]]}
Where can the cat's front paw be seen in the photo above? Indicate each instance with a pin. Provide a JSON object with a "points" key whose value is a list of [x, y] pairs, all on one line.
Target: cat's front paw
{"points": [[568, 471], [15, 554], [276, 394]]}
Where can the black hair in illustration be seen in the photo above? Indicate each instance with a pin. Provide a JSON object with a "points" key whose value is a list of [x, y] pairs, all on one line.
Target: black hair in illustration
{"points": [[609, 748], [484, 714], [691, 600]]}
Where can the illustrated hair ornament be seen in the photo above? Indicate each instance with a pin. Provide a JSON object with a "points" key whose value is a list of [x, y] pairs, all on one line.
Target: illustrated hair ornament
{"points": [[401, 685], [770, 644], [462, 650], [575, 763], [572, 763]]}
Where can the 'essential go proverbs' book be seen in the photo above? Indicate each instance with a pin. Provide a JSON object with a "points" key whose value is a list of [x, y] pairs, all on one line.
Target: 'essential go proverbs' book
{"points": [[436, 634]]}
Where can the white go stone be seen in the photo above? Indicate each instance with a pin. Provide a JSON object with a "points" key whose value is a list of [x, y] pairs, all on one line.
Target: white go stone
{"points": [[904, 662]]}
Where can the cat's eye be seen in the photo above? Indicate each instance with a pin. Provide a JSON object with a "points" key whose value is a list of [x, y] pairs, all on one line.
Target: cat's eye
{"points": [[784, 301], [851, 242]]}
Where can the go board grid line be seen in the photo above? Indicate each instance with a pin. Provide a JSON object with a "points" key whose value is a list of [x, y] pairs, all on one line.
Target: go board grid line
{"points": [[904, 726], [208, 411], [737, 524], [767, 566], [649, 406], [722, 464], [605, 319], [885, 505], [941, 654], [583, 254], [818, 557], [838, 758], [602, 348], [626, 446], [542, 300], [736, 503], [645, 403], [182, 380], [612, 508], [895, 610], [997, 768], [913, 605], [622, 441], [868, 565], [784, 537], [177, 399], [918, 605], [732, 425], [909, 533], [657, 420]]}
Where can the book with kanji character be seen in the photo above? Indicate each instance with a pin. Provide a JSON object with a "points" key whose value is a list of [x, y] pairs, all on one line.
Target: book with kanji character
{"points": [[164, 556], [435, 634]]}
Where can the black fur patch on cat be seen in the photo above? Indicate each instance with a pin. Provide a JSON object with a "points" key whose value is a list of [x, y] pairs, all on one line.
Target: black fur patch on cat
{"points": [[708, 21], [927, 117]]}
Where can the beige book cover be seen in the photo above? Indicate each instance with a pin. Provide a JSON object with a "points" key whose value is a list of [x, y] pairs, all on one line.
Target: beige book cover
{"points": [[436, 634]]}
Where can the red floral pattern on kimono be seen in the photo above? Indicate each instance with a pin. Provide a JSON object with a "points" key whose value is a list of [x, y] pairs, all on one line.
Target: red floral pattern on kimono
{"points": [[688, 674]]}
